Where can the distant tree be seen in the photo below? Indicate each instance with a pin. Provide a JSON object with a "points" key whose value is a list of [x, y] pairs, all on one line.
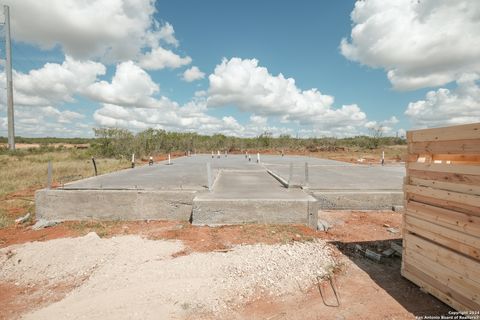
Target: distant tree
{"points": [[113, 142], [376, 132], [265, 140]]}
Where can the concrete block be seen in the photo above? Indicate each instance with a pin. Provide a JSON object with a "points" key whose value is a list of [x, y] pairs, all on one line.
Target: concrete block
{"points": [[113, 204]]}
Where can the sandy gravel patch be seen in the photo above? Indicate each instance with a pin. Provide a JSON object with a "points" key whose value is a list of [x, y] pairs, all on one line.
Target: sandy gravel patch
{"points": [[131, 277]]}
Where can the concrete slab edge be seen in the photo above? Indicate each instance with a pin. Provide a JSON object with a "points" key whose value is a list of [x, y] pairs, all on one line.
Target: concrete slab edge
{"points": [[200, 199], [66, 205], [358, 200], [244, 212]]}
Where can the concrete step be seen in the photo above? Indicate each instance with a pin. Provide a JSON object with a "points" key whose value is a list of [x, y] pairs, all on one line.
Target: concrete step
{"points": [[240, 197]]}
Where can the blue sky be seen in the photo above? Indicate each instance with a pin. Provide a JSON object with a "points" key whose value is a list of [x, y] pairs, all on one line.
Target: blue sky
{"points": [[299, 40], [121, 63]]}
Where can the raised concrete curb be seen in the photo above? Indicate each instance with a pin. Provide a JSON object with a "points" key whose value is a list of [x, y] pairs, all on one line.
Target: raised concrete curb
{"points": [[241, 211], [358, 199], [278, 177], [58, 204]]}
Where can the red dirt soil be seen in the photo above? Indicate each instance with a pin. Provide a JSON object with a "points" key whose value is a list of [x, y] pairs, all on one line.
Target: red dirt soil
{"points": [[15, 300], [351, 226], [367, 289]]}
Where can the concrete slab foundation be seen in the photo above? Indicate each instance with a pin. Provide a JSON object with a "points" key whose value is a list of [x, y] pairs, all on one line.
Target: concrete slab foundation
{"points": [[242, 192]]}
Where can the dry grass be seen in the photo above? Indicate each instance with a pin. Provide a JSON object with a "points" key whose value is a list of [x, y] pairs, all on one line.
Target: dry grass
{"points": [[4, 220], [22, 174]]}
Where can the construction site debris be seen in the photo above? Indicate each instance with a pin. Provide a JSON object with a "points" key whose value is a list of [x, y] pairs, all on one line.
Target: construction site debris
{"points": [[43, 223], [397, 248], [398, 208], [323, 286], [373, 255], [322, 225], [393, 230], [388, 252], [23, 219]]}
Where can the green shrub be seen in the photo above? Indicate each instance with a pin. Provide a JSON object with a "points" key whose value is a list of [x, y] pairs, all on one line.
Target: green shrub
{"points": [[121, 143]]}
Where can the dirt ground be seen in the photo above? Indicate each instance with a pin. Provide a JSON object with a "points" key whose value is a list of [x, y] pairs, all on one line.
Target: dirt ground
{"points": [[393, 154], [22, 146], [365, 289]]}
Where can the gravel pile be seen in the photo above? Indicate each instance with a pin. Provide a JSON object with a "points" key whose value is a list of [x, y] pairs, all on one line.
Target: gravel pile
{"points": [[69, 259], [131, 277], [277, 270]]}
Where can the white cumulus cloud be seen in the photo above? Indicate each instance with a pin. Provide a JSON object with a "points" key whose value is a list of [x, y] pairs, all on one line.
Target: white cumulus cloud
{"points": [[193, 74], [54, 83], [111, 30], [130, 86], [250, 87], [448, 107], [47, 121], [189, 117], [160, 58], [420, 44], [385, 126], [258, 121], [66, 116], [164, 33]]}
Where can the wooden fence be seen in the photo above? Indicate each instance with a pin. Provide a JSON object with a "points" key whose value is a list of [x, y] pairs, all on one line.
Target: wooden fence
{"points": [[441, 225]]}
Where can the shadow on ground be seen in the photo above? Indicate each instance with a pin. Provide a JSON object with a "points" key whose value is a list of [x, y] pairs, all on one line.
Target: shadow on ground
{"points": [[386, 274]]}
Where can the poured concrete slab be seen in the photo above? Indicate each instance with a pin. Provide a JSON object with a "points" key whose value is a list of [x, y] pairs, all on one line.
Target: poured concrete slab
{"points": [[166, 192], [243, 196], [187, 173], [182, 174], [335, 175], [338, 185], [190, 173], [298, 161], [250, 184]]}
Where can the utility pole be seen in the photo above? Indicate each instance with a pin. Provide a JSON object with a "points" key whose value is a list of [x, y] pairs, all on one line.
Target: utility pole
{"points": [[8, 71]]}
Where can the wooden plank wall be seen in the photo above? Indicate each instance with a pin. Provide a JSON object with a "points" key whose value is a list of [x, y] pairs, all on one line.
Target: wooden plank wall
{"points": [[441, 224]]}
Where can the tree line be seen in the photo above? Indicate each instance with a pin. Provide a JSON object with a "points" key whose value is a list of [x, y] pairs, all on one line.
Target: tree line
{"points": [[111, 142], [118, 143]]}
